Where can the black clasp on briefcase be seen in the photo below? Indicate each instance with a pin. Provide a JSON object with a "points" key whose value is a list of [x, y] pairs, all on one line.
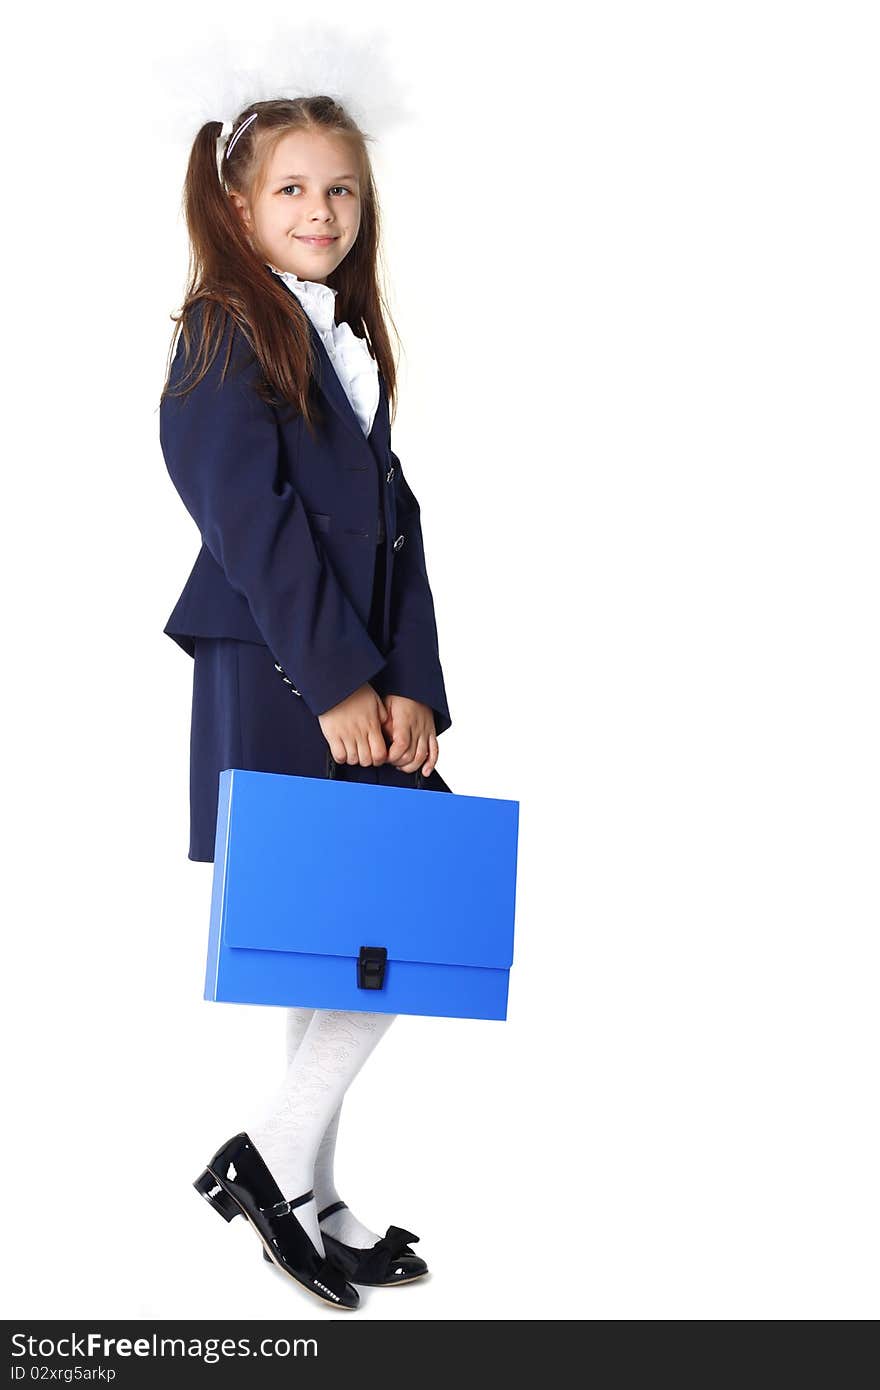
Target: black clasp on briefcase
{"points": [[371, 967]]}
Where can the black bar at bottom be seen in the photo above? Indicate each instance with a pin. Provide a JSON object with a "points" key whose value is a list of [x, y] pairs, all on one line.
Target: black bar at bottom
{"points": [[123, 1353]]}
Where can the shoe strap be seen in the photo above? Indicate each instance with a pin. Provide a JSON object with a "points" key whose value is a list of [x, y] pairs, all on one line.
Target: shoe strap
{"points": [[283, 1208], [328, 1211]]}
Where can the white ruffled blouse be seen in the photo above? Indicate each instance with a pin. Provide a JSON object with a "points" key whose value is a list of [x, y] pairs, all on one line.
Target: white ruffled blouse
{"points": [[356, 369]]}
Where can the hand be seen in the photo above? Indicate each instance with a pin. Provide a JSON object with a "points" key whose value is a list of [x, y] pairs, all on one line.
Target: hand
{"points": [[414, 740], [353, 728]]}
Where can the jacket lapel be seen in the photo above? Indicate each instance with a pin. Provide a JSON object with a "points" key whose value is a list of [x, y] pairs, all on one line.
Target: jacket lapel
{"points": [[380, 434]]}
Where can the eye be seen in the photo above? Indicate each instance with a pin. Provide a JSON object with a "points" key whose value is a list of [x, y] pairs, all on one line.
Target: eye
{"points": [[338, 187]]}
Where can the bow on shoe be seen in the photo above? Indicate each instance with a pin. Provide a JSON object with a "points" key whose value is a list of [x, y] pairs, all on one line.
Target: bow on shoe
{"points": [[322, 1271], [296, 1250], [332, 1277], [374, 1263]]}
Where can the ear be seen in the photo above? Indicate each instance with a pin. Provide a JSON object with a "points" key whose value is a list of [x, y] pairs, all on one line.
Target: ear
{"points": [[241, 208]]}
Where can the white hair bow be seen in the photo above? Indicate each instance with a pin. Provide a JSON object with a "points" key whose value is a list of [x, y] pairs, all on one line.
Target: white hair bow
{"points": [[216, 80]]}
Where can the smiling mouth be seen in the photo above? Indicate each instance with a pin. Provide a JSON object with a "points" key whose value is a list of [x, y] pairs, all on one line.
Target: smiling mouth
{"points": [[321, 239]]}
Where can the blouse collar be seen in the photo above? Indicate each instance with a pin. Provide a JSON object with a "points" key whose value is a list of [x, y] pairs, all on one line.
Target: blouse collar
{"points": [[319, 301]]}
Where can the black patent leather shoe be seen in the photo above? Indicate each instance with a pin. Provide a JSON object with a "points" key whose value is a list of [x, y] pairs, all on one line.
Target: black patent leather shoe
{"points": [[390, 1261], [237, 1181]]}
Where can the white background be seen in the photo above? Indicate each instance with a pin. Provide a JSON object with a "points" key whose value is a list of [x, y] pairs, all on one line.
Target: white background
{"points": [[634, 267]]}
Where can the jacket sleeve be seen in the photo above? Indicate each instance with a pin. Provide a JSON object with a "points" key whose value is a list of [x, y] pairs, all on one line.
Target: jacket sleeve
{"points": [[413, 663], [221, 447]]}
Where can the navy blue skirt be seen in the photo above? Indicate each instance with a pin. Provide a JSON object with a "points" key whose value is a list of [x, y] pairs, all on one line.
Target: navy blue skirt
{"points": [[244, 715]]}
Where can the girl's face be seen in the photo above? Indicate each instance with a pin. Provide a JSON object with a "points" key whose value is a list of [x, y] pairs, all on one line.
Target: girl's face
{"points": [[306, 217]]}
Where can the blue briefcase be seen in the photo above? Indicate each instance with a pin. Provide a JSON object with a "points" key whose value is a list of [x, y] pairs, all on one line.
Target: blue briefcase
{"points": [[330, 894]]}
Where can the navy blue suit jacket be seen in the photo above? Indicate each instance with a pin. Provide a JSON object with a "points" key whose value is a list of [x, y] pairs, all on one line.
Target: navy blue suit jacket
{"points": [[289, 526]]}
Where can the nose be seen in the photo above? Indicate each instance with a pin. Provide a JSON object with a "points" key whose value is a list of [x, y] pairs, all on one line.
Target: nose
{"points": [[321, 210]]}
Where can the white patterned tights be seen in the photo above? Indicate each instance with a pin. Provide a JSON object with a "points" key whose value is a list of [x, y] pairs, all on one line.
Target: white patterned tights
{"points": [[295, 1132]]}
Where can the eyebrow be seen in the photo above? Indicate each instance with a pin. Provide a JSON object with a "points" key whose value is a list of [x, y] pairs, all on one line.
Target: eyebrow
{"points": [[304, 178]]}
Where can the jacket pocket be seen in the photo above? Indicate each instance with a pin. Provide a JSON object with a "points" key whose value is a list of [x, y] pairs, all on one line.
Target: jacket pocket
{"points": [[320, 520]]}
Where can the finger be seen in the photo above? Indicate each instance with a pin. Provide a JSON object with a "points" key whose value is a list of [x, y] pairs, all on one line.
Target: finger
{"points": [[432, 756], [419, 756], [364, 749], [421, 751], [378, 751], [401, 748]]}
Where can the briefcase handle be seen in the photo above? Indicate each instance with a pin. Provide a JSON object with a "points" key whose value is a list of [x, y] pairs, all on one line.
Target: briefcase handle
{"points": [[334, 769]]}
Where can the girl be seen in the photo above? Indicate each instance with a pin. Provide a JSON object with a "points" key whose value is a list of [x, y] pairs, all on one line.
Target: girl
{"points": [[308, 611]]}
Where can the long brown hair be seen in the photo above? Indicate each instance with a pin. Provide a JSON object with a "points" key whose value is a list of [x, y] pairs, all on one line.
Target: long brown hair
{"points": [[229, 279]]}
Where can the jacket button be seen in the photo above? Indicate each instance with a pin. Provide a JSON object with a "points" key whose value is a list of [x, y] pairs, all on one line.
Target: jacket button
{"points": [[390, 474], [399, 542]]}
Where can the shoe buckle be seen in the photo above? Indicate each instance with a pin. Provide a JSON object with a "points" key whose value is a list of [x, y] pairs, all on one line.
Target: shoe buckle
{"points": [[285, 1208], [279, 1209]]}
